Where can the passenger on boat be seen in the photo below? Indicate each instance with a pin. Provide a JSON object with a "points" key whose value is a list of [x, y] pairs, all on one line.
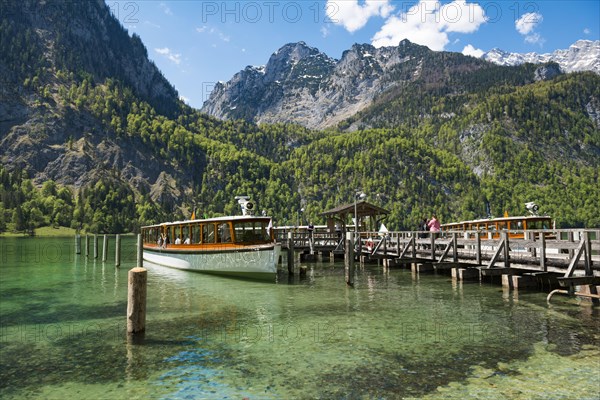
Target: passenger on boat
{"points": [[186, 241], [178, 240]]}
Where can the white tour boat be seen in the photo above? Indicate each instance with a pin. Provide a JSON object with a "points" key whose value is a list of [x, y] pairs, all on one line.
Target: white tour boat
{"points": [[241, 246]]}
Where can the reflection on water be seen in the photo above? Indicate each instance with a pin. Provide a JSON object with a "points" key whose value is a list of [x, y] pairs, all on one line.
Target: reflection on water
{"points": [[394, 334]]}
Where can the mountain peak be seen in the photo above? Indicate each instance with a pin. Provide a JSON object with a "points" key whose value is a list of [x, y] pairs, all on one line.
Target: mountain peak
{"points": [[299, 84], [583, 55]]}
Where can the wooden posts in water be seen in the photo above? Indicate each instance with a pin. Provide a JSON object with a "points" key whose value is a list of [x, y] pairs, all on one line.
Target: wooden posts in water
{"points": [[136, 300], [118, 251], [104, 248], [140, 252], [95, 246], [78, 244], [136, 294], [349, 258]]}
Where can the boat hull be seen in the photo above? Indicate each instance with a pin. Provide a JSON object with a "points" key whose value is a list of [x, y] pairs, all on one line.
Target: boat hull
{"points": [[255, 262]]}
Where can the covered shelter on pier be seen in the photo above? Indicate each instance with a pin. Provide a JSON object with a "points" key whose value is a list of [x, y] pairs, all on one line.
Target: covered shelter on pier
{"points": [[338, 216]]}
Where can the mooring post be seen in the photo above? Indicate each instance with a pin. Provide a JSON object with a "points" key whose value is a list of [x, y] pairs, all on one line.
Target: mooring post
{"points": [[104, 248], [87, 245], [350, 258], [118, 251], [140, 252], [432, 237], [78, 244], [136, 300], [290, 254], [478, 249], [95, 246]]}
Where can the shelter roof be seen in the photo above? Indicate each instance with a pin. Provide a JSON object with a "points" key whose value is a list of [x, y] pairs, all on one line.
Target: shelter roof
{"points": [[363, 209]]}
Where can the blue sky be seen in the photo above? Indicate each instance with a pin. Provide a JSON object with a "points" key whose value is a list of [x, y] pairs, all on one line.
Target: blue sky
{"points": [[198, 43]]}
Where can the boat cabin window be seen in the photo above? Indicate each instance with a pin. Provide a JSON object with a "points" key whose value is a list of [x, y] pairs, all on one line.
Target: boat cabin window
{"points": [[208, 233], [540, 224], [195, 238], [251, 231], [224, 233]]}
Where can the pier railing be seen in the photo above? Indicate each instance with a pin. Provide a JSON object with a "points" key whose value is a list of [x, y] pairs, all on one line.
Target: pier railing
{"points": [[563, 251]]}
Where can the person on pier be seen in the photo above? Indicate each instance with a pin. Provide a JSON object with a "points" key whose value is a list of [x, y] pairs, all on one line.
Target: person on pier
{"points": [[423, 227], [434, 224]]}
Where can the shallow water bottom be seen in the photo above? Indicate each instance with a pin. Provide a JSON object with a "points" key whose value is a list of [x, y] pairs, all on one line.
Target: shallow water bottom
{"points": [[393, 335]]}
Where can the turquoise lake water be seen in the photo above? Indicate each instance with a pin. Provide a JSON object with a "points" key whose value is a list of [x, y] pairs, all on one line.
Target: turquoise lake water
{"points": [[393, 335]]}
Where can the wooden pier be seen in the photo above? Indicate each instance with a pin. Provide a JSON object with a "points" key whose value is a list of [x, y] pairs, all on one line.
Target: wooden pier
{"points": [[565, 258]]}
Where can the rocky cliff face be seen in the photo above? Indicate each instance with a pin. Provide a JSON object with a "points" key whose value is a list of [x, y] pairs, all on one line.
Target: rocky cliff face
{"points": [[48, 47], [301, 85]]}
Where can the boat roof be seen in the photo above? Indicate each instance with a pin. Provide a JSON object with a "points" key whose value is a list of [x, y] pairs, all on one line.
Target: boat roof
{"points": [[216, 219], [500, 219]]}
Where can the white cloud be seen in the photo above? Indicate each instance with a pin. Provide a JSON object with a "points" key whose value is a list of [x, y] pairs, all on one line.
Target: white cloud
{"points": [[535, 38], [526, 26], [587, 31], [352, 15], [528, 22], [462, 17], [395, 30], [174, 57], [469, 50], [184, 99], [151, 24], [213, 31], [428, 23], [165, 8]]}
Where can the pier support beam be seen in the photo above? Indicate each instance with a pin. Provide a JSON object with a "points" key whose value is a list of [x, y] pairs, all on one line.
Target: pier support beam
{"points": [[290, 254], [507, 281], [422, 267], [465, 274], [349, 258], [524, 281], [389, 262]]}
